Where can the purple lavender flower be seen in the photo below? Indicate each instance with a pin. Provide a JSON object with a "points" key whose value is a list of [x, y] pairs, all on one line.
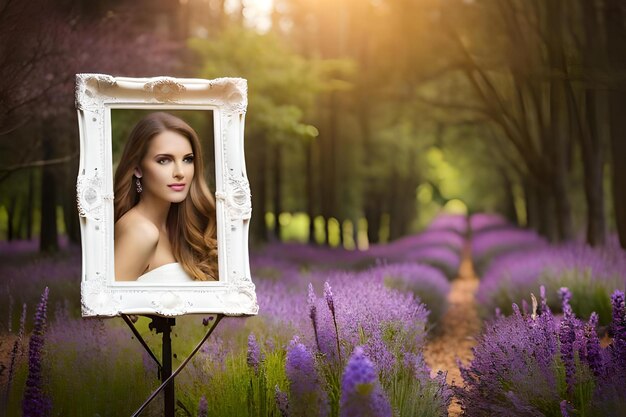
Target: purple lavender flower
{"points": [[568, 338], [524, 307], [544, 299], [455, 222], [253, 357], [16, 353], [282, 401], [592, 348], [618, 331], [565, 295], [483, 221], [443, 258], [426, 282], [517, 354], [493, 243], [619, 313], [564, 408], [328, 295], [591, 274], [612, 382], [203, 407], [35, 403], [312, 299], [307, 396], [397, 250], [372, 315], [361, 394]]}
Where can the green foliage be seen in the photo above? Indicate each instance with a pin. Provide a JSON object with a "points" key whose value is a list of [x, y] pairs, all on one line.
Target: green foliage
{"points": [[282, 84], [237, 390], [78, 371], [589, 294], [411, 397], [581, 396], [330, 373]]}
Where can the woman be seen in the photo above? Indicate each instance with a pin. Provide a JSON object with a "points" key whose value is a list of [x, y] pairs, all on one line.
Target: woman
{"points": [[165, 226]]}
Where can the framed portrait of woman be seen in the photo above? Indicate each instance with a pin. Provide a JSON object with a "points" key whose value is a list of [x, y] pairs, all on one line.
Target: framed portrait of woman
{"points": [[163, 196]]}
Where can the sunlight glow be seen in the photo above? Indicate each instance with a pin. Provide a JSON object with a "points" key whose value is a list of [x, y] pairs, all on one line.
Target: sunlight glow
{"points": [[257, 13]]}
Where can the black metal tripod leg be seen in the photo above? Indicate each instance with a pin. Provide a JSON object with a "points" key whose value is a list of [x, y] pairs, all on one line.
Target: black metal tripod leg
{"points": [[143, 342], [180, 368]]}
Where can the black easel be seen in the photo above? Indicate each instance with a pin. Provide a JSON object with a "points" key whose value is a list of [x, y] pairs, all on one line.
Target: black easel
{"points": [[164, 325]]}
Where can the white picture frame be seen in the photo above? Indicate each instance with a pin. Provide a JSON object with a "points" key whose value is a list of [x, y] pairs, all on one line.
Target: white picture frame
{"points": [[234, 293]]}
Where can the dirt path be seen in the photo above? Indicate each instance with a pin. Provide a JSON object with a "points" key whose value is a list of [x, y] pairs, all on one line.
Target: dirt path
{"points": [[459, 327]]}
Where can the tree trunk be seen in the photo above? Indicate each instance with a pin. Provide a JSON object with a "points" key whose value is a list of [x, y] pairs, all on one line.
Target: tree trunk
{"points": [[562, 206], [373, 214], [30, 205], [70, 211], [355, 231], [402, 206], [11, 218], [615, 15], [330, 185], [277, 179], [49, 234], [547, 227], [532, 209], [593, 165], [509, 199], [258, 163], [371, 207], [21, 228], [310, 190], [592, 128], [394, 204], [559, 142]]}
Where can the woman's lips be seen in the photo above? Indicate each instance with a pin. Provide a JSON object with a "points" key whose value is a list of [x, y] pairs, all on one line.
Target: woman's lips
{"points": [[177, 187]]}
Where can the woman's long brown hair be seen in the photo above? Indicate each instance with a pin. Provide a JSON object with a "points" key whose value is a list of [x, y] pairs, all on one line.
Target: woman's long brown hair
{"points": [[191, 224]]}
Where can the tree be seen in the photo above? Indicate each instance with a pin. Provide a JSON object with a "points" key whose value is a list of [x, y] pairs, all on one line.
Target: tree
{"points": [[39, 106]]}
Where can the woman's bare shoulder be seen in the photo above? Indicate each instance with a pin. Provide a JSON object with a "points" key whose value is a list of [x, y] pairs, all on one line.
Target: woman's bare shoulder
{"points": [[136, 239], [132, 225]]}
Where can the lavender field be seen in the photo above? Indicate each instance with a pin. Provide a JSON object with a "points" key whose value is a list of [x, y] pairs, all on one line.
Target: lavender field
{"points": [[340, 333]]}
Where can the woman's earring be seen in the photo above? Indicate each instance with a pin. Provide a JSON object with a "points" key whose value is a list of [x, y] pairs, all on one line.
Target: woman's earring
{"points": [[138, 186]]}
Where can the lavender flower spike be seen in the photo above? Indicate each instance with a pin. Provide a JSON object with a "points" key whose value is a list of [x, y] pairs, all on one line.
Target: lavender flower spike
{"points": [[328, 295], [35, 403], [361, 394], [544, 300], [618, 328], [203, 407], [311, 300], [16, 353], [253, 356], [307, 396], [619, 309], [566, 296], [594, 356], [282, 402]]}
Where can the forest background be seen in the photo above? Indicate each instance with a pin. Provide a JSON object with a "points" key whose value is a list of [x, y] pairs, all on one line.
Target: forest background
{"points": [[367, 116]]}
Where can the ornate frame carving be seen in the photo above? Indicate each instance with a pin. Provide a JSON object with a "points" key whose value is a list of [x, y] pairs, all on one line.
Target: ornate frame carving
{"points": [[234, 294]]}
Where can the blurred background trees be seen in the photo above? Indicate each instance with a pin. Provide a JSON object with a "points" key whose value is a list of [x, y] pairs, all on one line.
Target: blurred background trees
{"points": [[366, 117]]}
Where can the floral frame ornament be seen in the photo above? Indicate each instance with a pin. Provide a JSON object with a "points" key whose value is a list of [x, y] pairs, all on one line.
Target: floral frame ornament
{"points": [[234, 293]]}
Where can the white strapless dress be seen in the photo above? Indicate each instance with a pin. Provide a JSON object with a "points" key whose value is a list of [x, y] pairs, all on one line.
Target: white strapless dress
{"points": [[166, 274]]}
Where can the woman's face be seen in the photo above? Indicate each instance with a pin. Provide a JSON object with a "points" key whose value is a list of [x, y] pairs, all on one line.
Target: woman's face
{"points": [[167, 168]]}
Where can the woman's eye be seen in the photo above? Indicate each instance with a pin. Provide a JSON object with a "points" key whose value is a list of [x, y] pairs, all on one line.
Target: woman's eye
{"points": [[188, 159], [163, 161]]}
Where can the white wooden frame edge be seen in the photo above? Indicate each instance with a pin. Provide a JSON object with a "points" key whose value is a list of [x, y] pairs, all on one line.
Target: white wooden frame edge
{"points": [[234, 293]]}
